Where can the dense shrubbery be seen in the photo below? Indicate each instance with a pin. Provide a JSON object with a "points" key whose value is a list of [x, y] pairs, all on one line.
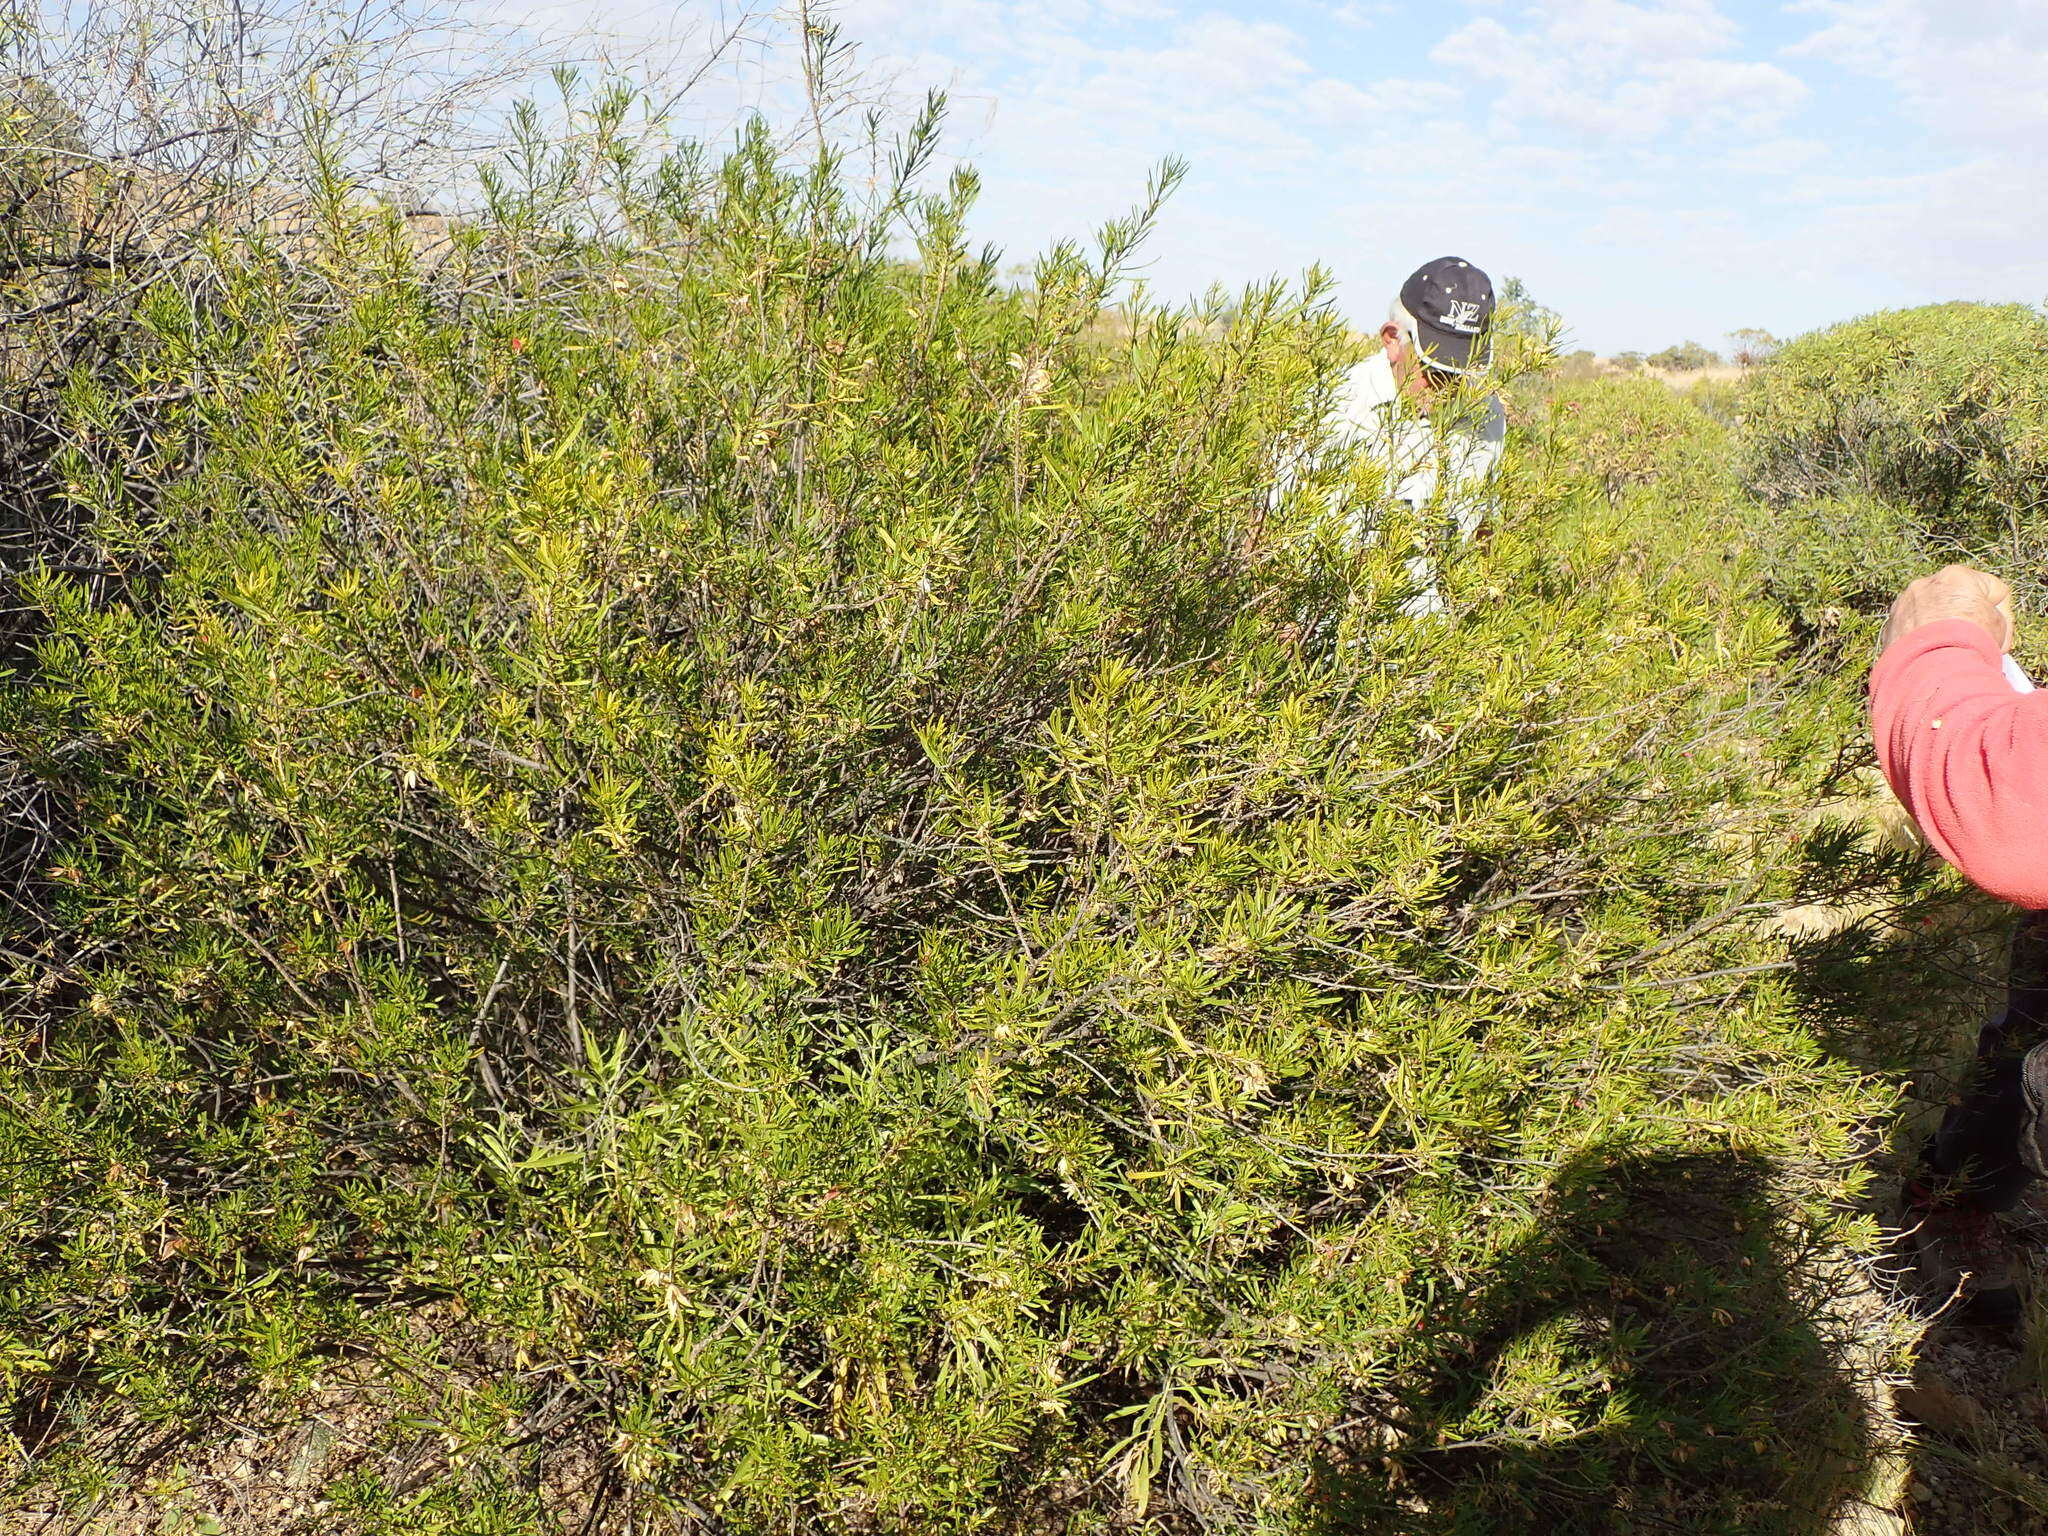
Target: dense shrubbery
{"points": [[1634, 432], [787, 848], [1943, 409], [1898, 442]]}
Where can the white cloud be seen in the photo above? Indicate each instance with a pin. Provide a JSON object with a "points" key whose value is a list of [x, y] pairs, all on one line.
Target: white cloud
{"points": [[1773, 157], [1097, 104], [1606, 70], [1640, 162], [1969, 73], [1968, 69]]}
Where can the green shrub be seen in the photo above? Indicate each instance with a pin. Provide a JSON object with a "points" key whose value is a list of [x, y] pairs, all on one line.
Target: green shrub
{"points": [[1686, 357], [1718, 399], [1942, 411], [1893, 444], [775, 869], [1626, 432], [43, 149]]}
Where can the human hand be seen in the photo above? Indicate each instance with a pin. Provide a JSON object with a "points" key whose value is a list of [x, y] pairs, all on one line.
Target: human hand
{"points": [[1953, 592]]}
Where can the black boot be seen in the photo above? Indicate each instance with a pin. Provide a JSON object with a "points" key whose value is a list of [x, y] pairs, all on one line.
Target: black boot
{"points": [[1992, 1144]]}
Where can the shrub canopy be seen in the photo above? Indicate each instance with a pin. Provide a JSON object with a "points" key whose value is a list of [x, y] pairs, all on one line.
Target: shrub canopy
{"points": [[1893, 444], [1943, 409], [790, 849]]}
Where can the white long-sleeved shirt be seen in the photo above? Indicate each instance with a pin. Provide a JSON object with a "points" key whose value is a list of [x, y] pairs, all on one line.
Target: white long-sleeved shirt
{"points": [[1439, 459], [1421, 454]]}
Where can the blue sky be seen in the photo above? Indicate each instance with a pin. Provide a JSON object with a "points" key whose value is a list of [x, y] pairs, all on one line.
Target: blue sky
{"points": [[1655, 170]]}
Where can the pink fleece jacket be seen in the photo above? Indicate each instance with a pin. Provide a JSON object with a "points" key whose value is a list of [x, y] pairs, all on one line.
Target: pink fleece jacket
{"points": [[1967, 755]]}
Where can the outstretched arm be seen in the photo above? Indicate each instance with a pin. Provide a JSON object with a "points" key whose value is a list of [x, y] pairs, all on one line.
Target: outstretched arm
{"points": [[1965, 753]]}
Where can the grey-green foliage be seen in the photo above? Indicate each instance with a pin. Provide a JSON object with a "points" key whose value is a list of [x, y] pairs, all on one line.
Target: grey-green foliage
{"points": [[1900, 441], [788, 847], [1943, 410]]}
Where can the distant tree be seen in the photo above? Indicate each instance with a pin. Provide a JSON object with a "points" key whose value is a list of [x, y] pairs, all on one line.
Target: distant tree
{"points": [[1519, 314], [1750, 346], [1686, 357], [1628, 360]]}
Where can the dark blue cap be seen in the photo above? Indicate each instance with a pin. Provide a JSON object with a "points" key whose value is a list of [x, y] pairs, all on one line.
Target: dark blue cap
{"points": [[1452, 302]]}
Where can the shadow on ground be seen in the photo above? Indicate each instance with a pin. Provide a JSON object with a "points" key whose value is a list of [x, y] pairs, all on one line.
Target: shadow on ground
{"points": [[1669, 1284], [1907, 1002]]}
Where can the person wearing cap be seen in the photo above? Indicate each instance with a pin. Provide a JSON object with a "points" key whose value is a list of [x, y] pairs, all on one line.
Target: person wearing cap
{"points": [[1416, 408], [1962, 737]]}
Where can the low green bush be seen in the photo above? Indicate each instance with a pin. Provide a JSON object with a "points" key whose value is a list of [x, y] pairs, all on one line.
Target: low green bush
{"points": [[775, 869], [1942, 411], [1629, 431], [1893, 444], [1719, 399]]}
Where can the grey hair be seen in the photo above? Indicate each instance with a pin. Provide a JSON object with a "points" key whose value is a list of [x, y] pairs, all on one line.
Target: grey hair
{"points": [[1398, 316]]}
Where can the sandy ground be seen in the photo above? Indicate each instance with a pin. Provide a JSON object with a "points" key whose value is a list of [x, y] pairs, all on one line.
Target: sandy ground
{"points": [[1980, 1417], [1679, 379], [1696, 376]]}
